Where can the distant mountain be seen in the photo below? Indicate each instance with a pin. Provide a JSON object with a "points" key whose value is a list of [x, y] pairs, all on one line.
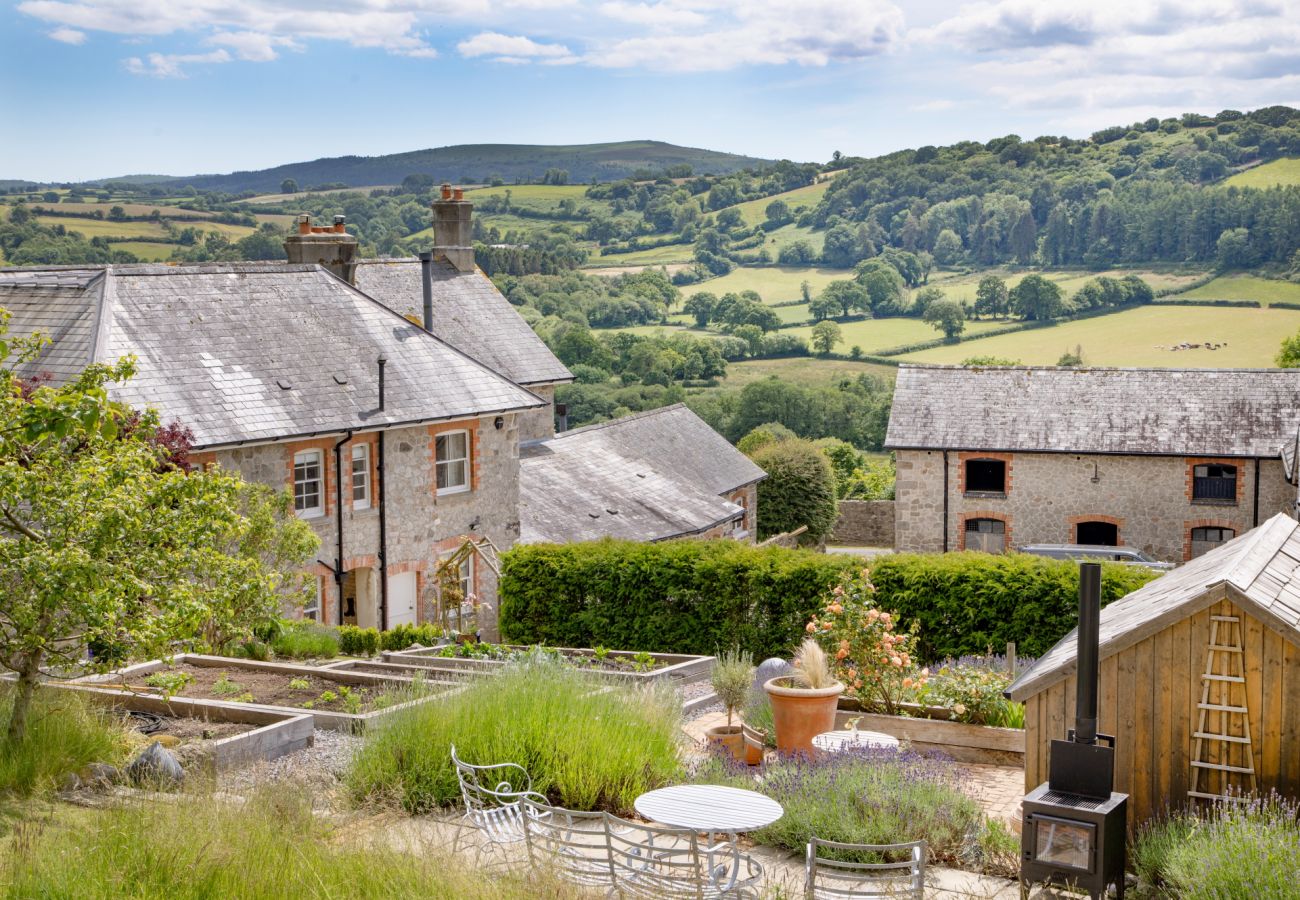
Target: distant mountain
{"points": [[479, 162]]}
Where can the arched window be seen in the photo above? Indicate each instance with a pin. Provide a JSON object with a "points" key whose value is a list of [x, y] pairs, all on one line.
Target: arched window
{"points": [[986, 476], [989, 535], [1206, 539], [1213, 481], [1104, 534]]}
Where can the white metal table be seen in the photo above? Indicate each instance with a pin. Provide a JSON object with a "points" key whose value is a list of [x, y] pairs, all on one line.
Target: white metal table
{"points": [[833, 741], [711, 809]]}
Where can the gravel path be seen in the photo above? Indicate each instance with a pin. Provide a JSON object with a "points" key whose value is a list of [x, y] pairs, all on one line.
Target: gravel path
{"points": [[320, 767]]}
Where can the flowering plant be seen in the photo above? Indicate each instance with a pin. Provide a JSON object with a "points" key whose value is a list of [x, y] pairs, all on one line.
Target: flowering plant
{"points": [[971, 687], [872, 657]]}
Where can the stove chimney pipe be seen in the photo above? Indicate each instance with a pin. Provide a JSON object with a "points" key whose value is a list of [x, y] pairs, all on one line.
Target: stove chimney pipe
{"points": [[1085, 720], [426, 285]]}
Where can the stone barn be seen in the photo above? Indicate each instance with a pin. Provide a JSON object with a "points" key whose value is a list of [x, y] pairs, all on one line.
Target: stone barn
{"points": [[1199, 680]]}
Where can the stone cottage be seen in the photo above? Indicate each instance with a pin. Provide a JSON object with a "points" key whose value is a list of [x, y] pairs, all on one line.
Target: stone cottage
{"points": [[397, 425], [1171, 461]]}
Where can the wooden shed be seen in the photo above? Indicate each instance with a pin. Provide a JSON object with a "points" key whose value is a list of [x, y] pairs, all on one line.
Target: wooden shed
{"points": [[1200, 678]]}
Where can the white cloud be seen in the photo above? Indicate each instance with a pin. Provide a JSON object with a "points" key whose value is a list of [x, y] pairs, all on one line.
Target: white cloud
{"points": [[171, 65], [254, 46], [653, 15], [69, 36], [510, 48]]}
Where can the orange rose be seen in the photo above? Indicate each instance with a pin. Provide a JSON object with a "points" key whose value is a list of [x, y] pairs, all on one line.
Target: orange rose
{"points": [[841, 653], [811, 627]]}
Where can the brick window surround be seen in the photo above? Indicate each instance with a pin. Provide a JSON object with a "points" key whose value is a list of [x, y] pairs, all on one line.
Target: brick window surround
{"points": [[1205, 523], [326, 448], [472, 444], [1074, 521], [965, 456], [1002, 517], [1194, 461]]}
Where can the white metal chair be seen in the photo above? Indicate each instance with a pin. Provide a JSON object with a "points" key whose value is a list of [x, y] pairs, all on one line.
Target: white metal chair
{"points": [[493, 796], [574, 845], [833, 879], [654, 861]]}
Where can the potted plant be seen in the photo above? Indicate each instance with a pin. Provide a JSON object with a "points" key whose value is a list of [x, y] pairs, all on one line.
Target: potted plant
{"points": [[803, 704], [756, 726], [732, 675]]}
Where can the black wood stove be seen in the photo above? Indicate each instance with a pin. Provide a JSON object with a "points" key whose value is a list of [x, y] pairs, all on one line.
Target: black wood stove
{"points": [[1074, 825]]}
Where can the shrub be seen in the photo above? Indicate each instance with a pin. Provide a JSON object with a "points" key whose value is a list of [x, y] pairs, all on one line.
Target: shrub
{"points": [[1249, 849], [583, 748], [799, 490], [731, 679], [866, 796], [967, 603], [354, 641], [306, 640], [65, 732], [681, 596], [402, 636], [268, 848]]}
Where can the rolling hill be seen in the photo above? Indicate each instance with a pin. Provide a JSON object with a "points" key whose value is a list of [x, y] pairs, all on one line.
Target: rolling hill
{"points": [[479, 162]]}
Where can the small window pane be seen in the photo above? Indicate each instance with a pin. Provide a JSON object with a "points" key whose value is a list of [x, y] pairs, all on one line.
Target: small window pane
{"points": [[361, 476], [987, 535], [308, 490], [1206, 539], [453, 461], [1214, 482]]}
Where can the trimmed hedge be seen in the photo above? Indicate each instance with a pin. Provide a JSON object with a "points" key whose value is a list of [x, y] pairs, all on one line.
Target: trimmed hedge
{"points": [[673, 597], [705, 596]]}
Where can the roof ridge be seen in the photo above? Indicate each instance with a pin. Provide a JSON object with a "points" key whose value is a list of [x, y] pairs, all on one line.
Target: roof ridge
{"points": [[643, 414], [1273, 535], [103, 315]]}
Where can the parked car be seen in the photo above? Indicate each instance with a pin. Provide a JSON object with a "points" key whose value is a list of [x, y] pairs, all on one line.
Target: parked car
{"points": [[1097, 552]]}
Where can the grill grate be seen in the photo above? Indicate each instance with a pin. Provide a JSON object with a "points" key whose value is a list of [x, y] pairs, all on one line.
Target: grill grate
{"points": [[1074, 801]]}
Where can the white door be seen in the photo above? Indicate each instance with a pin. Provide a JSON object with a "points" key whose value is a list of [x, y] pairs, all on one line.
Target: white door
{"points": [[401, 599]]}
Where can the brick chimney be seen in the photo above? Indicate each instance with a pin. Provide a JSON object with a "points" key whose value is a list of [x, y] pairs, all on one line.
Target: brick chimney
{"points": [[453, 229], [332, 247]]}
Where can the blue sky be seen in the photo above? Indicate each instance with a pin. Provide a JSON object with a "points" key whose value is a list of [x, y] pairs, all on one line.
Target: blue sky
{"points": [[94, 88]]}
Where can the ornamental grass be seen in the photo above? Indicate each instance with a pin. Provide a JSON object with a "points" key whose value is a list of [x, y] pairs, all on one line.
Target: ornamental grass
{"points": [[65, 733]]}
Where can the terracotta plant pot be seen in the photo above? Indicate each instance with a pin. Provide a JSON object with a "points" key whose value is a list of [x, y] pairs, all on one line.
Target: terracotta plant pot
{"points": [[728, 737], [754, 745], [800, 714]]}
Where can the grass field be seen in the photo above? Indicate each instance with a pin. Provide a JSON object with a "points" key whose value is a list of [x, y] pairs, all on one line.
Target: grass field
{"points": [[1140, 337], [754, 211], [1270, 174], [963, 287], [147, 251], [285, 198], [802, 370], [881, 334], [774, 284], [131, 209], [92, 228], [659, 256], [1246, 287]]}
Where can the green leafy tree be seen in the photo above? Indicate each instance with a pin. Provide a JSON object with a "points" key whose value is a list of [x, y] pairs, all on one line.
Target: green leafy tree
{"points": [[948, 248], [805, 288], [885, 289], [107, 541], [825, 335], [1288, 357], [992, 297], [700, 306], [824, 306], [799, 490], [947, 316], [288, 186], [848, 296], [1233, 249], [989, 362], [1037, 299], [117, 214], [798, 253], [924, 298], [1072, 357]]}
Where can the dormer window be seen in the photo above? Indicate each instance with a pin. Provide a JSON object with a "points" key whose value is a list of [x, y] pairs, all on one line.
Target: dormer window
{"points": [[986, 476]]}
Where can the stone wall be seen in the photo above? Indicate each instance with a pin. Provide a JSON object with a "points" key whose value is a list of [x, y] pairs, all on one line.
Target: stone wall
{"points": [[536, 424], [1148, 498], [421, 526], [865, 523]]}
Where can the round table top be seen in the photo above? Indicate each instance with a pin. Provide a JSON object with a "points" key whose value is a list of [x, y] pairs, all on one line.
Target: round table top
{"points": [[840, 740], [709, 808]]}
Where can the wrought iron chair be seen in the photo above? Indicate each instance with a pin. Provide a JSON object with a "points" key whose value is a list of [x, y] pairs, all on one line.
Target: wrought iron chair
{"points": [[573, 845], [654, 861], [833, 879], [494, 796]]}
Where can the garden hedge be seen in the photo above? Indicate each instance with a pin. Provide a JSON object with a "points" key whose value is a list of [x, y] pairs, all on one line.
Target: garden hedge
{"points": [[705, 596]]}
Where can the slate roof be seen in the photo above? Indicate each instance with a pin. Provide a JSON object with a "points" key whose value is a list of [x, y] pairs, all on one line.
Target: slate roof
{"points": [[1192, 412], [469, 313], [248, 352], [1260, 571], [647, 477]]}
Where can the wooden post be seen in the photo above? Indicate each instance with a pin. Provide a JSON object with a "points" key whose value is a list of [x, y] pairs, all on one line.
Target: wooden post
{"points": [[1011, 658]]}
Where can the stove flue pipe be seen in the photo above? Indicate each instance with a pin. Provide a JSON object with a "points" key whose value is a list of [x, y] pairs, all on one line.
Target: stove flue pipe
{"points": [[1085, 721]]}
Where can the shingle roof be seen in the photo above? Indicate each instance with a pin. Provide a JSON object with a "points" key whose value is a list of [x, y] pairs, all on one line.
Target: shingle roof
{"points": [[1260, 571], [252, 352], [469, 313], [1201, 412], [646, 477]]}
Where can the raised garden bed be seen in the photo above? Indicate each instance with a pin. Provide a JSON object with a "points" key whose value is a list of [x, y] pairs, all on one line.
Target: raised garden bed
{"points": [[223, 735], [334, 698], [619, 664], [958, 740]]}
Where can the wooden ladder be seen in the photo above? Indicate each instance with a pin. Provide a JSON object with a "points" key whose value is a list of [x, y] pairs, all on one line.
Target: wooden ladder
{"points": [[1223, 692]]}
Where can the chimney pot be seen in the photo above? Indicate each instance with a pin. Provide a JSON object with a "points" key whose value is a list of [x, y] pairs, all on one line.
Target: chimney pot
{"points": [[339, 222], [453, 231], [304, 224], [458, 194], [446, 191]]}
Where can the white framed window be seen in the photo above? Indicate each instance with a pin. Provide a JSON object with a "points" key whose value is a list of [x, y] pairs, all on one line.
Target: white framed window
{"points": [[467, 580], [308, 484], [312, 608], [361, 476], [452, 455]]}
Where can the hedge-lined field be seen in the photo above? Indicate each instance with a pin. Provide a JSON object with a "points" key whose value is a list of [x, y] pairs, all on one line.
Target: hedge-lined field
{"points": [[706, 596]]}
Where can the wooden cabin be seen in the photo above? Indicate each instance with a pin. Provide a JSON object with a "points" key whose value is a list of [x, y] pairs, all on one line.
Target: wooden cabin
{"points": [[1199, 681]]}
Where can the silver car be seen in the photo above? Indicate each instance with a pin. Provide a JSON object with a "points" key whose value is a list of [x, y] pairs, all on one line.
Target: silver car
{"points": [[1097, 553]]}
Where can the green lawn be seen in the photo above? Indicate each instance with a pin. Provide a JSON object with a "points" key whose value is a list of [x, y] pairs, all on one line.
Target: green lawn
{"points": [[802, 370], [754, 211], [1140, 337], [881, 334], [147, 251], [1246, 287], [773, 283], [1270, 174], [659, 256]]}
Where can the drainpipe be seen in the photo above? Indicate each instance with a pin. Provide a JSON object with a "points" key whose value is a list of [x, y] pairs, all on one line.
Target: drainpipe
{"points": [[945, 501], [338, 517], [426, 285], [1255, 510], [383, 507]]}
